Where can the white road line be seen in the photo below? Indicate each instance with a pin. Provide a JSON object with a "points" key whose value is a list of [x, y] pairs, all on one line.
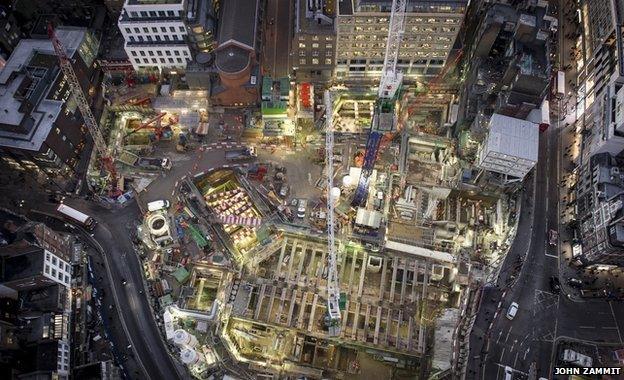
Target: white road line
{"points": [[500, 333], [525, 353], [610, 328], [515, 360], [549, 255], [587, 327], [616, 321], [502, 353], [509, 332]]}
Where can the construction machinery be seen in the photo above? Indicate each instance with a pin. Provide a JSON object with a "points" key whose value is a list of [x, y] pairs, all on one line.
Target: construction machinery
{"points": [[107, 160], [384, 116], [333, 286], [160, 130]]}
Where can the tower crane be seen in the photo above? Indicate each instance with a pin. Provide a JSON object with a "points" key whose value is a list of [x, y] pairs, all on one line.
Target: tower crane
{"points": [[333, 287], [384, 116], [76, 90]]}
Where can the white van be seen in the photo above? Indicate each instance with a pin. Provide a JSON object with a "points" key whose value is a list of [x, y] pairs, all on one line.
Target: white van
{"points": [[158, 205], [301, 208]]}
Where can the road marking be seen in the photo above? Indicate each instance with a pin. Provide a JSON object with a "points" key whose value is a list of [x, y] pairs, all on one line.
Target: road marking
{"points": [[502, 353], [500, 333], [509, 332], [525, 353], [610, 328], [515, 360], [513, 344], [616, 321], [549, 255], [587, 327]]}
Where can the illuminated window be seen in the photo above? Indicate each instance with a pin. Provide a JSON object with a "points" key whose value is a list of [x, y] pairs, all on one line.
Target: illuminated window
{"points": [[301, 45], [302, 61], [328, 61], [315, 61]]}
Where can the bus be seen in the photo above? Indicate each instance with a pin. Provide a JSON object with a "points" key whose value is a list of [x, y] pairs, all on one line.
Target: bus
{"points": [[77, 216]]}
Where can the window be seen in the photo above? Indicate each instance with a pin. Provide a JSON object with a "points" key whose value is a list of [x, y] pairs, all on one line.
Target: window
{"points": [[53, 260], [150, 52], [154, 60], [136, 30], [167, 52], [179, 60], [142, 53], [152, 13], [149, 38], [159, 52], [315, 61], [302, 53], [315, 45], [128, 30], [170, 60], [302, 61], [328, 61], [301, 45], [131, 38], [143, 14], [328, 46], [140, 38], [145, 60], [162, 60], [53, 272], [133, 15], [172, 29], [161, 14], [67, 279], [176, 52], [47, 269], [145, 30], [166, 37], [181, 29], [171, 13], [163, 29], [154, 30], [185, 52], [328, 54], [157, 38]]}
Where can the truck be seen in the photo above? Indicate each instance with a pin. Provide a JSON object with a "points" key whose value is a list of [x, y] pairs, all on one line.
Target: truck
{"points": [[132, 159], [240, 154], [76, 216], [560, 83]]}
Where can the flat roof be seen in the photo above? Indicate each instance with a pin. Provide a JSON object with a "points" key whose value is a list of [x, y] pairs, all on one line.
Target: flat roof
{"points": [[513, 137]]}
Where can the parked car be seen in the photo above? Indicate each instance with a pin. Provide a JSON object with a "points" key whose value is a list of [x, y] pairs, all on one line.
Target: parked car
{"points": [[284, 190], [512, 311], [552, 237], [575, 283], [301, 208]]}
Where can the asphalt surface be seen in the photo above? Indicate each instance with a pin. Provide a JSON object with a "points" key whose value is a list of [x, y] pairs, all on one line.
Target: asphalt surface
{"points": [[278, 27]]}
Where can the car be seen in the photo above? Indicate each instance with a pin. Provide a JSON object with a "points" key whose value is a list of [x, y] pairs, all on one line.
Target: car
{"points": [[284, 191], [575, 283], [512, 311], [555, 285], [552, 237], [508, 373]]}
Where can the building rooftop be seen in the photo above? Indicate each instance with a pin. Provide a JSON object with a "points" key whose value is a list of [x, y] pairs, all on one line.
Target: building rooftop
{"points": [[307, 23], [22, 265], [239, 21], [513, 137], [27, 75]]}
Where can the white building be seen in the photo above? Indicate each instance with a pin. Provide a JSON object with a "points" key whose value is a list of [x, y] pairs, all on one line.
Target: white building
{"points": [[511, 146], [155, 34]]}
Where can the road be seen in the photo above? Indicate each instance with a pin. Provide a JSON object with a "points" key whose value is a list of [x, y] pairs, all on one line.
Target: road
{"points": [[278, 26]]}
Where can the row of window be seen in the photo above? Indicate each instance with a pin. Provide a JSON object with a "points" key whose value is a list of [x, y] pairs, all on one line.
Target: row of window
{"points": [[161, 60], [422, 62], [159, 53], [380, 53], [157, 38], [315, 53], [362, 45], [154, 14], [163, 29], [408, 20], [314, 61], [314, 46], [408, 38], [315, 38]]}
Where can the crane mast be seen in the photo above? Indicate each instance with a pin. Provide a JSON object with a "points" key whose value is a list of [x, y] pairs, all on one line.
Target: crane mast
{"points": [[83, 105], [333, 287], [384, 118]]}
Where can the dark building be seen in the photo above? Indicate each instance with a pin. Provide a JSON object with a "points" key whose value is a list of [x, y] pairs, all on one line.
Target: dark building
{"points": [[10, 33], [236, 62], [600, 211], [508, 70], [41, 129]]}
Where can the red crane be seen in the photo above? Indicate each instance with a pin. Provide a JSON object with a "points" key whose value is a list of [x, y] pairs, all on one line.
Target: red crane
{"points": [[108, 162]]}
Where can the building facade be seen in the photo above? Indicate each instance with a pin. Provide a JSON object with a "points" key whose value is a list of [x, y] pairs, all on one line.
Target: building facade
{"points": [[155, 34], [314, 45], [362, 30]]}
